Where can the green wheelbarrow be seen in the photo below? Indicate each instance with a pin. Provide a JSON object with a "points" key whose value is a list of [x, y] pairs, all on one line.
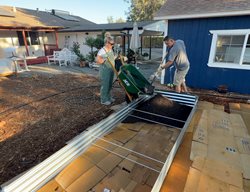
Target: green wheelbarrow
{"points": [[134, 82]]}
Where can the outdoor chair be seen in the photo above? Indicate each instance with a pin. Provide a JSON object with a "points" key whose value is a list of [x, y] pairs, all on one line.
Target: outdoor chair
{"points": [[70, 57], [57, 57], [63, 57]]}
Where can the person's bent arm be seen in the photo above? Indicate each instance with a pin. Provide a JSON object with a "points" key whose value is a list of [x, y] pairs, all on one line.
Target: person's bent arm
{"points": [[166, 65], [100, 60]]}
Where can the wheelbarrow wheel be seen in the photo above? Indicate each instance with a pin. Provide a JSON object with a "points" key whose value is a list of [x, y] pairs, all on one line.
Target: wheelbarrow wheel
{"points": [[133, 98], [127, 99]]}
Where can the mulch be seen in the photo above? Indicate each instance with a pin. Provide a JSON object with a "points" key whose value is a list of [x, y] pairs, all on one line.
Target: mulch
{"points": [[39, 114]]}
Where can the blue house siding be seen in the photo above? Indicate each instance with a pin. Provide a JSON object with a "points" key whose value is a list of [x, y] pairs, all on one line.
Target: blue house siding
{"points": [[195, 33]]}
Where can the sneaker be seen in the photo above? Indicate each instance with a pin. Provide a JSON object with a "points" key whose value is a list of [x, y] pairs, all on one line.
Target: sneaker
{"points": [[106, 103], [112, 100]]}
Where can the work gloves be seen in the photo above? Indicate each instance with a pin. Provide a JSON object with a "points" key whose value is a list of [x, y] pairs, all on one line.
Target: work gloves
{"points": [[159, 70], [157, 74]]}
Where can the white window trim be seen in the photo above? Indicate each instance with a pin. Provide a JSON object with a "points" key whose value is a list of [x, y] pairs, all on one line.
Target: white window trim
{"points": [[239, 65]]}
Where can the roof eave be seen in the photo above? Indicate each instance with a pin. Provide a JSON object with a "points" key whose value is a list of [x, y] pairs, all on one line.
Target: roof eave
{"points": [[94, 30], [8, 27], [203, 15]]}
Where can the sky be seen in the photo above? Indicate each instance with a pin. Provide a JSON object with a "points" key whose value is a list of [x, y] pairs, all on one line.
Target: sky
{"points": [[94, 10]]}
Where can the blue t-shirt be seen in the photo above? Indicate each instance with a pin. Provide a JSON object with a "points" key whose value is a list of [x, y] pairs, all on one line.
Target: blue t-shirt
{"points": [[178, 55]]}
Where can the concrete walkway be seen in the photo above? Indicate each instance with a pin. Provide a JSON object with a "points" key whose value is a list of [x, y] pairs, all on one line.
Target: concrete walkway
{"points": [[147, 68]]}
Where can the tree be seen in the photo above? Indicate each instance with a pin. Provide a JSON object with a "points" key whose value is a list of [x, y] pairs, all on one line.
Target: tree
{"points": [[141, 10], [120, 20], [110, 19], [93, 43]]}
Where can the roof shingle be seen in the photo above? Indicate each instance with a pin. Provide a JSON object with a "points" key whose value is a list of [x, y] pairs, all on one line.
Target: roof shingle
{"points": [[175, 8], [108, 26], [28, 18]]}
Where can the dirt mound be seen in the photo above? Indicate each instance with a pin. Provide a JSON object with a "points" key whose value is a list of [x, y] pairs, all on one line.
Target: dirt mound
{"points": [[159, 107]]}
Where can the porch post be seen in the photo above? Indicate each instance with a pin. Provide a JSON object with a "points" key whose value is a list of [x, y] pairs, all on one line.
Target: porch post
{"points": [[56, 34], [123, 46], [128, 40], [25, 43]]}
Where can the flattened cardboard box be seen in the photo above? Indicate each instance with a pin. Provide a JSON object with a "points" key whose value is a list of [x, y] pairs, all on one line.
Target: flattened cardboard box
{"points": [[87, 181], [73, 171], [51, 186]]}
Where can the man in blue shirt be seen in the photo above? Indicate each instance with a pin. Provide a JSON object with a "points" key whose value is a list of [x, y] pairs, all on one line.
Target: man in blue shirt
{"points": [[177, 55]]}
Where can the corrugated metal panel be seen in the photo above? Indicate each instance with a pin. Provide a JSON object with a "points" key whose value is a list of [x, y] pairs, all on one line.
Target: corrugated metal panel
{"points": [[195, 33]]}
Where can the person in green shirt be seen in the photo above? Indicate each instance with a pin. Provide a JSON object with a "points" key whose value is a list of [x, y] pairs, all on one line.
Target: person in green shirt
{"points": [[105, 58]]}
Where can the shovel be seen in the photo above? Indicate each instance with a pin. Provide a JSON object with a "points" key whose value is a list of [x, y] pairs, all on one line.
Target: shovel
{"points": [[153, 77]]}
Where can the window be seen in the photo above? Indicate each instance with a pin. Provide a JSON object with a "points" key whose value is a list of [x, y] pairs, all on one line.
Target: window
{"points": [[230, 49], [32, 38], [21, 39]]}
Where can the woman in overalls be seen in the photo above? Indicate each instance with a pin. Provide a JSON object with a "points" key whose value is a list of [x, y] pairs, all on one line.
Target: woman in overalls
{"points": [[105, 58]]}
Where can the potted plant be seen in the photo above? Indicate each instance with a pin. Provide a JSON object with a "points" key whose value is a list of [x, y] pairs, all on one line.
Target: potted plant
{"points": [[80, 56], [82, 60], [93, 43]]}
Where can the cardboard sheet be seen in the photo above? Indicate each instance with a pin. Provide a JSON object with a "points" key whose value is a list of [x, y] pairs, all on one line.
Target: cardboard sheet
{"points": [[239, 126], [122, 135], [195, 120], [193, 180], [116, 180], [198, 149], [73, 171], [205, 105], [244, 111], [52, 186], [87, 181], [95, 154], [109, 163], [132, 126], [220, 171], [200, 134], [245, 160], [243, 144]]}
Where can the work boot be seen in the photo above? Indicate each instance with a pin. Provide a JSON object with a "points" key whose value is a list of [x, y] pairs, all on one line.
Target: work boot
{"points": [[106, 103]]}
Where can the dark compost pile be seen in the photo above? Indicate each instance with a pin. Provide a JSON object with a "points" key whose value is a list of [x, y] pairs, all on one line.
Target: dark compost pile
{"points": [[175, 114]]}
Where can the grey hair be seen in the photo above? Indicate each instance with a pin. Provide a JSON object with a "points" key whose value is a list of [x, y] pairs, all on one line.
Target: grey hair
{"points": [[167, 38], [108, 38]]}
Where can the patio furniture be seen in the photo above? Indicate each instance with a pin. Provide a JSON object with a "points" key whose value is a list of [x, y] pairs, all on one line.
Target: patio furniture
{"points": [[57, 57], [20, 62], [70, 56], [62, 57]]}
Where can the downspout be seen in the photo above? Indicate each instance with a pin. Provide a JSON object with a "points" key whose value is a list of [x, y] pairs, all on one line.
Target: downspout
{"points": [[25, 43]]}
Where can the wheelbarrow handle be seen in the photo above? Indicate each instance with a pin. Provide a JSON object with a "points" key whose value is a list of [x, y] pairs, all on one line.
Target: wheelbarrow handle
{"points": [[116, 73]]}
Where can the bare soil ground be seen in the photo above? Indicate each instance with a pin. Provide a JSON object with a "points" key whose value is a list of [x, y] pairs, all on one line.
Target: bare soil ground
{"points": [[39, 114]]}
